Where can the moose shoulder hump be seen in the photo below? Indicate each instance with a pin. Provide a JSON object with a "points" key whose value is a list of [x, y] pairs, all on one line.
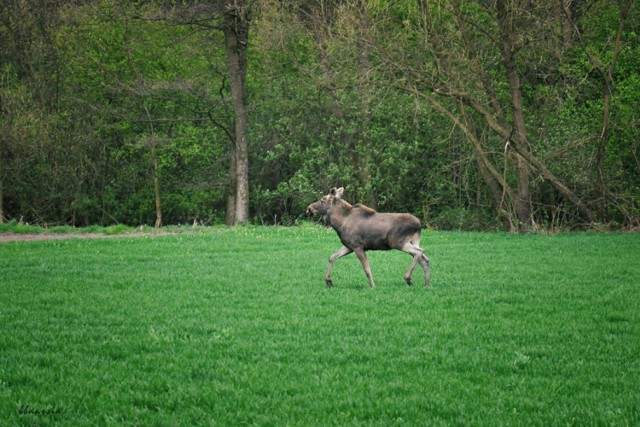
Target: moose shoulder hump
{"points": [[364, 209]]}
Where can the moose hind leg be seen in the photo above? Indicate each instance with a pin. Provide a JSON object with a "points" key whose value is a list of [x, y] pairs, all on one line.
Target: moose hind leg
{"points": [[412, 266], [332, 259], [418, 257], [424, 262]]}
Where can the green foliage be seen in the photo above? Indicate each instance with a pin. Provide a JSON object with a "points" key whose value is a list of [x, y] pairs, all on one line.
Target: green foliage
{"points": [[240, 328], [85, 88]]}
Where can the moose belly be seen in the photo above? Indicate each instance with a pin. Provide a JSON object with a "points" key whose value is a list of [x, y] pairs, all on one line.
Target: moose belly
{"points": [[380, 244], [368, 238], [377, 246]]}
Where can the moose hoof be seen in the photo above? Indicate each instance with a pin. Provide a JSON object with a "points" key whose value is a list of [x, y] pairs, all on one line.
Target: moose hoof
{"points": [[408, 280], [329, 283]]}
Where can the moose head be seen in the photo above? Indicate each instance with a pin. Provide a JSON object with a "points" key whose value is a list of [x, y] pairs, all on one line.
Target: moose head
{"points": [[322, 206]]}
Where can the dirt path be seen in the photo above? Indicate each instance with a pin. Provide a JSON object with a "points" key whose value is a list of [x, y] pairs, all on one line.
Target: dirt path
{"points": [[20, 237]]}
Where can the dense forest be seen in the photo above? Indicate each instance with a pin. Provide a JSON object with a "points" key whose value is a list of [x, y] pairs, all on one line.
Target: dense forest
{"points": [[487, 114]]}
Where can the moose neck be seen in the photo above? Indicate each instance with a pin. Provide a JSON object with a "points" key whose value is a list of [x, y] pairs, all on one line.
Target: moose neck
{"points": [[338, 212]]}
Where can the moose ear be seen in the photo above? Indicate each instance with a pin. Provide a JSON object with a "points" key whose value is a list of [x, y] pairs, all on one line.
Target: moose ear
{"points": [[338, 192]]}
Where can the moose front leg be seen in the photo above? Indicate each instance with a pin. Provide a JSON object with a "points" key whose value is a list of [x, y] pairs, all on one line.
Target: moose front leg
{"points": [[365, 264], [339, 253]]}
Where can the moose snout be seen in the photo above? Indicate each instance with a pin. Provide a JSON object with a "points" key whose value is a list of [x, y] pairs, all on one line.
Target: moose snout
{"points": [[310, 210]]}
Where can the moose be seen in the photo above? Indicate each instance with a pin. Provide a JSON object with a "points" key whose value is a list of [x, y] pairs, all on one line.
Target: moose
{"points": [[361, 228]]}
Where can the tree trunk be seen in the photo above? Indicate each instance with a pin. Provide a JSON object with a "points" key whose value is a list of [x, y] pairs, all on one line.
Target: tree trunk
{"points": [[152, 141], [1, 192], [230, 217], [365, 70], [508, 49], [236, 32], [600, 185], [156, 185]]}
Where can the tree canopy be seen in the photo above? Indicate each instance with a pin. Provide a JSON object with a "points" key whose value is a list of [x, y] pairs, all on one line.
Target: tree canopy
{"points": [[480, 115]]}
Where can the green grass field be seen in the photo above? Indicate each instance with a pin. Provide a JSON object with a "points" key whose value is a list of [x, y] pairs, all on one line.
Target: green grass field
{"points": [[236, 327]]}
